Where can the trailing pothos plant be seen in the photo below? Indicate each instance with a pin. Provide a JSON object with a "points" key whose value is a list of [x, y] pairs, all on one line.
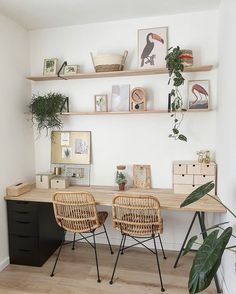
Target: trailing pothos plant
{"points": [[209, 255], [45, 110], [175, 67]]}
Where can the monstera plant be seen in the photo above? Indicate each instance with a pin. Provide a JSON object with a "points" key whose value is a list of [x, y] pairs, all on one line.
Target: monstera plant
{"points": [[209, 255], [174, 64]]}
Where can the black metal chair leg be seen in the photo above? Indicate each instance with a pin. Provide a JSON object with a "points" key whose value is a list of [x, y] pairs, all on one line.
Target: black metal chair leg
{"points": [[59, 251], [108, 239], [73, 247], [158, 265], [122, 250], [118, 254], [163, 252], [96, 257]]}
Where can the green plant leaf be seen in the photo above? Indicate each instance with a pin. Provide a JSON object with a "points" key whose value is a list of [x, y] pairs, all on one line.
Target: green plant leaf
{"points": [[182, 138], [198, 193], [189, 245], [175, 131], [207, 260]]}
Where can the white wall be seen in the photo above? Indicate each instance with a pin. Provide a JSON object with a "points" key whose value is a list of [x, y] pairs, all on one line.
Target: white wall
{"points": [[16, 148], [132, 139], [226, 127]]}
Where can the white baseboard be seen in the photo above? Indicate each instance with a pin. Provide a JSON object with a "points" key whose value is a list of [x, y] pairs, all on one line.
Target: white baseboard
{"points": [[4, 263]]}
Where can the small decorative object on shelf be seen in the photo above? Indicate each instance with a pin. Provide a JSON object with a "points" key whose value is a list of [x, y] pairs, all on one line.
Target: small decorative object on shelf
{"points": [[204, 156], [187, 57], [138, 100], [45, 109], [71, 70], [175, 67], [120, 97], [121, 179], [109, 62], [100, 102], [142, 176], [50, 66]]}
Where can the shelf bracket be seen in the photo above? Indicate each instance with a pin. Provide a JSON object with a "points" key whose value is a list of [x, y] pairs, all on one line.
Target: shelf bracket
{"points": [[58, 73], [65, 105]]}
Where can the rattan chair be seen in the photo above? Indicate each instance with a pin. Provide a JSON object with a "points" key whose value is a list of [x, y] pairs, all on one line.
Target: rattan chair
{"points": [[138, 217], [76, 212]]}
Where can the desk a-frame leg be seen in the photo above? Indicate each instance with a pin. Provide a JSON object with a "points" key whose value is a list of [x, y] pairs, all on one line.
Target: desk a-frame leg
{"points": [[201, 218]]}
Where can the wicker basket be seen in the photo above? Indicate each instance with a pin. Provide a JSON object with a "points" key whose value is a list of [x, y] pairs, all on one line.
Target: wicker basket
{"points": [[187, 57], [109, 62]]}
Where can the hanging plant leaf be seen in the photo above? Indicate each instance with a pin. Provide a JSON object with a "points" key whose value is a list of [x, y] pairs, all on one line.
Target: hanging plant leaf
{"points": [[207, 260], [198, 193], [182, 138]]}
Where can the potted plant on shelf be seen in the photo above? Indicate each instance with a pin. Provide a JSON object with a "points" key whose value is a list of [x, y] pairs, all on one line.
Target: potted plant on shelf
{"points": [[209, 255], [45, 110], [121, 181], [175, 66]]}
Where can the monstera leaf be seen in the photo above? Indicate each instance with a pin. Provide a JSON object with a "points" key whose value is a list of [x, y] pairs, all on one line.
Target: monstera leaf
{"points": [[198, 194], [207, 260]]}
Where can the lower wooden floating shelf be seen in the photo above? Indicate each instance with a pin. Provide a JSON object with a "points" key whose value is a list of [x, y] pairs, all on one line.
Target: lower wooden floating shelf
{"points": [[130, 112]]}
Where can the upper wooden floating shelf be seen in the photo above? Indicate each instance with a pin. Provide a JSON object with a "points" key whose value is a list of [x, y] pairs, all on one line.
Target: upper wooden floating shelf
{"points": [[129, 112], [124, 73]]}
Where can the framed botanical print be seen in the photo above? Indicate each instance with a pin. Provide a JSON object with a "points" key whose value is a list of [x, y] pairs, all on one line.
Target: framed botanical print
{"points": [[152, 47], [70, 69], [198, 94], [142, 176], [50, 66], [70, 147], [100, 102]]}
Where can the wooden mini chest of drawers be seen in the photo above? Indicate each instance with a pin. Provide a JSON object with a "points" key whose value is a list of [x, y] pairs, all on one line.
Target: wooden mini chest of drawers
{"points": [[188, 175]]}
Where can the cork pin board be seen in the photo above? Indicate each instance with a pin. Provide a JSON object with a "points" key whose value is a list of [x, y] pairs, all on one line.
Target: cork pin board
{"points": [[70, 147]]}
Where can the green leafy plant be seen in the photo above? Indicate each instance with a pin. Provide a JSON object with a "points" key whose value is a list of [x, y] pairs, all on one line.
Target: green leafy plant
{"points": [[45, 109], [175, 67], [120, 178], [209, 255]]}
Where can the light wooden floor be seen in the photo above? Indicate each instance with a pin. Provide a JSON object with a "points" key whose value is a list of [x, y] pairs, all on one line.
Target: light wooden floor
{"points": [[76, 274]]}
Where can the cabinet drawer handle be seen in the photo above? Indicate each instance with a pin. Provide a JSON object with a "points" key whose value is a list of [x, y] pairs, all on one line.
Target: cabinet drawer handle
{"points": [[22, 212], [22, 236], [21, 222], [22, 202], [24, 250]]}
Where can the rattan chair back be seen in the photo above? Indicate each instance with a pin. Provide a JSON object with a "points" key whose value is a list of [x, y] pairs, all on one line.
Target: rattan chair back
{"points": [[137, 215], [75, 211]]}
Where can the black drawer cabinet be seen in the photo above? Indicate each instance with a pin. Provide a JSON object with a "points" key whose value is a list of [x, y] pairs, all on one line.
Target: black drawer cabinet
{"points": [[33, 232]]}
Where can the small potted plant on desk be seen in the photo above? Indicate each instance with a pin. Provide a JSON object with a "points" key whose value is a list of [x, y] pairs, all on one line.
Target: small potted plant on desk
{"points": [[121, 181]]}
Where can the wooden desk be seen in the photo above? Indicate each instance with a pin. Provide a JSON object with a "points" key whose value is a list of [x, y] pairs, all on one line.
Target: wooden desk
{"points": [[103, 196]]}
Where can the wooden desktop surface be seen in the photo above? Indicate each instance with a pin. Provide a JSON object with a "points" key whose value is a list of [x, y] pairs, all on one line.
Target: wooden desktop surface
{"points": [[103, 196]]}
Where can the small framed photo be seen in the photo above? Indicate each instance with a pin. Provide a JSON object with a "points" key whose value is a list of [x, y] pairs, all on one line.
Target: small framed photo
{"points": [[142, 176], [152, 47], [120, 97], [198, 94], [50, 66], [100, 103], [71, 69]]}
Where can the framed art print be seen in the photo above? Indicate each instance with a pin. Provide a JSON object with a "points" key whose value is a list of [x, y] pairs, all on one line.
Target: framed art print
{"points": [[70, 69], [50, 66], [142, 176], [120, 97], [198, 94], [152, 47], [100, 102]]}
